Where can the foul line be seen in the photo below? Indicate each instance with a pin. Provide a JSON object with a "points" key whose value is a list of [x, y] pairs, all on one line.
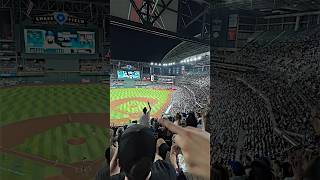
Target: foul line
{"points": [[12, 171]]}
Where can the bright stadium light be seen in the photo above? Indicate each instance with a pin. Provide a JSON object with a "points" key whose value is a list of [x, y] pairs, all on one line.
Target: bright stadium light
{"points": [[151, 64]]}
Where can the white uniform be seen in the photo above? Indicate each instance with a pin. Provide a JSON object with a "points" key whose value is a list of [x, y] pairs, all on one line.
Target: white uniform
{"points": [[145, 119]]}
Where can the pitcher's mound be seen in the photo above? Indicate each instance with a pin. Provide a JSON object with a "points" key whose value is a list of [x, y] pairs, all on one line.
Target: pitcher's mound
{"points": [[76, 141]]}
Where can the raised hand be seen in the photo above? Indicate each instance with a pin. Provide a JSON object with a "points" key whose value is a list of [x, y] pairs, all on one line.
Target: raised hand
{"points": [[195, 146]]}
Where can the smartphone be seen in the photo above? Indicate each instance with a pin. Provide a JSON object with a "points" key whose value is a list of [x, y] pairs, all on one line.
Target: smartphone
{"points": [[182, 163]]}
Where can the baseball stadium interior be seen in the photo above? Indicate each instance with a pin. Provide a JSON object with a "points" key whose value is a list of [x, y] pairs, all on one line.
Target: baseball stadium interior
{"points": [[159, 89]]}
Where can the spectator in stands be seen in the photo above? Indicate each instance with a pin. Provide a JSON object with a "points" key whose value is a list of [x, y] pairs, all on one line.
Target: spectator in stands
{"points": [[162, 148], [260, 170], [286, 169], [145, 118], [315, 113], [219, 172], [192, 120], [178, 119], [119, 133], [313, 170], [238, 170], [138, 159]]}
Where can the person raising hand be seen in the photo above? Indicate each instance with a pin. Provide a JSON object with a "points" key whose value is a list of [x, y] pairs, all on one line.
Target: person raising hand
{"points": [[195, 146]]}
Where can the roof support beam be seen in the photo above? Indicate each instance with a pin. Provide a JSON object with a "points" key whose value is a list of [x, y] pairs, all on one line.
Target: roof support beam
{"points": [[203, 13], [152, 30], [138, 11], [162, 10]]}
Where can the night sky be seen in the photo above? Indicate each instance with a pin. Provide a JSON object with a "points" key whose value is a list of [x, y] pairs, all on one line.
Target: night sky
{"points": [[133, 45]]}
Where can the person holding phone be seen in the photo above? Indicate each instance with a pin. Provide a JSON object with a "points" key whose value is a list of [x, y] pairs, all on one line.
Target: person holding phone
{"points": [[195, 147]]}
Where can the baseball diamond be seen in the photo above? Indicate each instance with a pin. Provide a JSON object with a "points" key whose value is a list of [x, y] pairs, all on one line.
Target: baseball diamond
{"points": [[126, 104], [54, 142]]}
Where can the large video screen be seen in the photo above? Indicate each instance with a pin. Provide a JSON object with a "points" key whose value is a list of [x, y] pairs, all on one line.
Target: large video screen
{"points": [[42, 41], [128, 74]]}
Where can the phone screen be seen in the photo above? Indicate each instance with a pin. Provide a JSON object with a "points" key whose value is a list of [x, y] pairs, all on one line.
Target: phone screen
{"points": [[181, 163]]}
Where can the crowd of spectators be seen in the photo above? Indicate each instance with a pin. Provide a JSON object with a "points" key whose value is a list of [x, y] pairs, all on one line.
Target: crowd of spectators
{"points": [[265, 124], [33, 66], [193, 92], [92, 65], [158, 150]]}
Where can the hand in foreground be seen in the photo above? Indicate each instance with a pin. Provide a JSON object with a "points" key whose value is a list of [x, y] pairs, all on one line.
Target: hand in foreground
{"points": [[114, 167], [195, 146]]}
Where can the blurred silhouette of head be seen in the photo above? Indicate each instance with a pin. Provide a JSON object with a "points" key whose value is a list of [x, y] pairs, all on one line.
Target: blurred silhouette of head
{"points": [[191, 120], [260, 170], [144, 110], [218, 172], [137, 148], [313, 170]]}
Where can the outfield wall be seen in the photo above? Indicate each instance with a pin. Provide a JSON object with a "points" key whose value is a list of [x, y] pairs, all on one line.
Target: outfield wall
{"points": [[54, 78]]}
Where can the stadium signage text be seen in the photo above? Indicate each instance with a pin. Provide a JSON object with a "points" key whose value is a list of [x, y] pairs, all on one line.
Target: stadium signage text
{"points": [[60, 18]]}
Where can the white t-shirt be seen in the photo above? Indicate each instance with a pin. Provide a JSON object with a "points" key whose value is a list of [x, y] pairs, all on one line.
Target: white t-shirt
{"points": [[145, 119]]}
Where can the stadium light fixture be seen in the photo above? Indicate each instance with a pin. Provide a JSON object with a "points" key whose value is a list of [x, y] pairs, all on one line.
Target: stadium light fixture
{"points": [[151, 64]]}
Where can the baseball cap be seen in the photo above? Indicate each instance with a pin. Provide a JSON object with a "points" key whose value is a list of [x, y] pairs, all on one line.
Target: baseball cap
{"points": [[136, 153]]}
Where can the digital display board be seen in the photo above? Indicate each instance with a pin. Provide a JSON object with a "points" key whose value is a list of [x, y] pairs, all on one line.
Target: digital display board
{"points": [[128, 74], [42, 41]]}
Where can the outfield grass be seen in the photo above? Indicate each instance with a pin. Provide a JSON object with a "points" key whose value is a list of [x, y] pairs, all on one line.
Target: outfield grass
{"points": [[53, 143], [22, 103], [136, 106], [14, 168]]}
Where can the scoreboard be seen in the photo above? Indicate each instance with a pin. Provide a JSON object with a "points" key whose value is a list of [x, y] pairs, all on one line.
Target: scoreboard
{"points": [[40, 41], [128, 74]]}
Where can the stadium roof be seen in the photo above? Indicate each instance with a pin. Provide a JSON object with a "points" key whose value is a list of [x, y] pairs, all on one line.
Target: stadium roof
{"points": [[184, 50], [133, 45], [138, 41], [270, 6]]}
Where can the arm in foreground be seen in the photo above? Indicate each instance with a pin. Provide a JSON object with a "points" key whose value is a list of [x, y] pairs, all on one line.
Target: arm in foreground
{"points": [[195, 146]]}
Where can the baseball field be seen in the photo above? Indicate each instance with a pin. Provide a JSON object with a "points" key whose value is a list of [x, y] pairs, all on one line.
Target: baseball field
{"points": [[53, 132], [126, 104], [59, 131]]}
